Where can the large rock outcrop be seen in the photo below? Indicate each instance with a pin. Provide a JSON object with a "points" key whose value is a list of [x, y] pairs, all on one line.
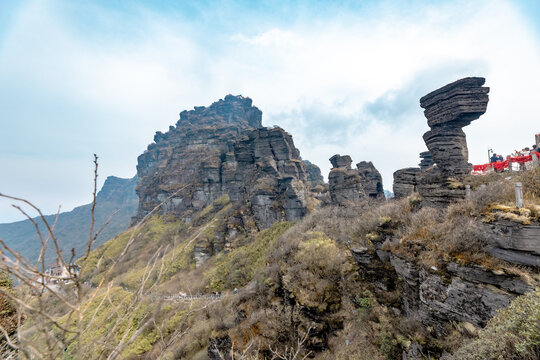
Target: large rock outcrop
{"points": [[345, 183], [370, 179], [223, 150], [350, 185], [450, 292], [265, 168], [448, 110], [405, 182]]}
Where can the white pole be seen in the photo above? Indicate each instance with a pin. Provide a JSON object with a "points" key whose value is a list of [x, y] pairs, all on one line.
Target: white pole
{"points": [[468, 191], [519, 195]]}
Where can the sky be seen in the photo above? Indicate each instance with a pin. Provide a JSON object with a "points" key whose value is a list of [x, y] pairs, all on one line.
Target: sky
{"points": [[85, 77]]}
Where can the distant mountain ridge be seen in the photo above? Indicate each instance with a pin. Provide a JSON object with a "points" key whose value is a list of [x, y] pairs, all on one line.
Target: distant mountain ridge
{"points": [[72, 229]]}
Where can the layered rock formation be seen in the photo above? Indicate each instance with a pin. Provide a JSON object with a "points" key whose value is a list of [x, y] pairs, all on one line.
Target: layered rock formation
{"points": [[223, 150], [405, 182], [468, 294], [370, 179], [448, 110], [265, 168], [464, 294], [513, 242], [351, 185], [345, 183], [426, 160]]}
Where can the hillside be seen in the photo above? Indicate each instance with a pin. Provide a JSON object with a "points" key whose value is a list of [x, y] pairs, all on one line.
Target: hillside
{"points": [[239, 251], [73, 227]]}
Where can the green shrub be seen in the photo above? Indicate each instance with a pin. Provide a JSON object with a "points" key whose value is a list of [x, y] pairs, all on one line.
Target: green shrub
{"points": [[363, 302], [514, 333], [237, 268]]}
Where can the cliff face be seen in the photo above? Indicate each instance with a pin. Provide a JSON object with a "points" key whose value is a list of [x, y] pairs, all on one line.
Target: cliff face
{"points": [[223, 150]]}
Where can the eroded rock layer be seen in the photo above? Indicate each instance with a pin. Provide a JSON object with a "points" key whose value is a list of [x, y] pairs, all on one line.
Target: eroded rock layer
{"points": [[405, 182], [371, 180], [223, 150], [345, 183], [426, 160], [467, 294], [447, 110]]}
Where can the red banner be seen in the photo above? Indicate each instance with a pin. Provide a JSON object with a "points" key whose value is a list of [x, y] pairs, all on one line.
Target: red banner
{"points": [[501, 165]]}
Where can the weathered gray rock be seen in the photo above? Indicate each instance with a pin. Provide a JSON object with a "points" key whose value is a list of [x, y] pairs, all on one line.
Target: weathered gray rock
{"points": [[459, 300], [467, 296], [313, 172], [345, 184], [405, 182], [448, 146], [447, 110], [362, 255], [222, 149], [341, 161], [437, 189], [414, 352], [371, 180], [478, 275], [515, 243], [426, 160], [457, 103]]}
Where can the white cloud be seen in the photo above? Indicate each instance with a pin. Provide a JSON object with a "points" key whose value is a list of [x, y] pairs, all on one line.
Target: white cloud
{"points": [[106, 93]]}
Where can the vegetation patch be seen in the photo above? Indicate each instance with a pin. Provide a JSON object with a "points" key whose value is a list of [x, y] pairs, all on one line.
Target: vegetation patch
{"points": [[514, 333], [237, 268]]}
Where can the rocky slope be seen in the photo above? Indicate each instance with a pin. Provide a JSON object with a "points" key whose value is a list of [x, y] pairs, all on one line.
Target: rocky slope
{"points": [[73, 227], [343, 278]]}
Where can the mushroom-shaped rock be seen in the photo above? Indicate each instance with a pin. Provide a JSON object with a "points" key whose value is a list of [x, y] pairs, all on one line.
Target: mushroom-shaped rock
{"points": [[447, 110]]}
